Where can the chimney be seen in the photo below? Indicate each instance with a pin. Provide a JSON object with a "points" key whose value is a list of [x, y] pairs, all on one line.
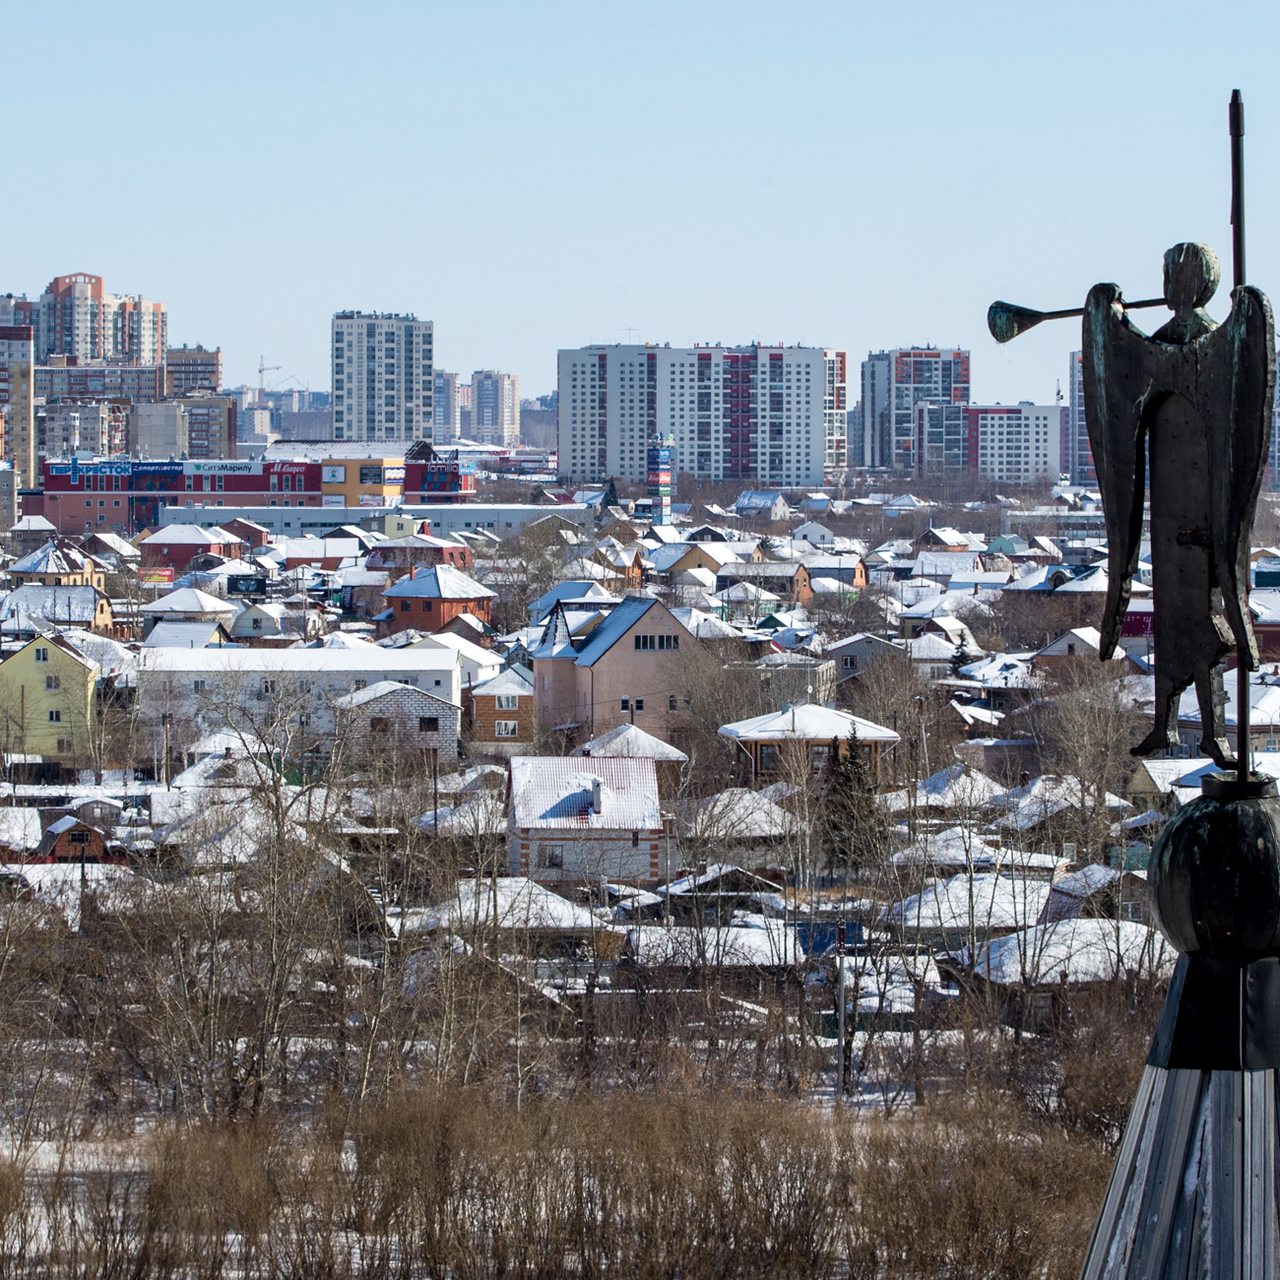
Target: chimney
{"points": [[597, 795]]}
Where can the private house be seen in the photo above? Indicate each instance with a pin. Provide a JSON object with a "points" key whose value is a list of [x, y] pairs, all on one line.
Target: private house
{"points": [[360, 591], [584, 821], [111, 549], [30, 610], [47, 701], [255, 536], [503, 720], [58, 563], [817, 535], [761, 504], [624, 568], [634, 666], [273, 622], [71, 840], [802, 737], [855, 653], [202, 690], [431, 595], [176, 545], [309, 552], [578, 591], [187, 604], [403, 554], [30, 533], [1071, 646], [630, 741], [389, 719], [787, 579], [187, 635]]}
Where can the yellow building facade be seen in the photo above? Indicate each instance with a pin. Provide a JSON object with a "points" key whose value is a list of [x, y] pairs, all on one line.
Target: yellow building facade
{"points": [[47, 702]]}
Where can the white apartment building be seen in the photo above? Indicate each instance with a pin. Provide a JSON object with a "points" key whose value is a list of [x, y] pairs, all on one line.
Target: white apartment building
{"points": [[749, 413], [1017, 443], [17, 399], [446, 407], [495, 408], [382, 376]]}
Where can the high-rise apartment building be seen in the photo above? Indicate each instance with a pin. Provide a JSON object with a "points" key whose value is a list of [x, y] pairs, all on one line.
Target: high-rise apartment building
{"points": [[382, 376], [750, 413], [211, 425], [67, 380], [17, 397], [188, 369], [835, 411], [76, 316], [1077, 458], [495, 408], [1016, 443], [893, 384], [70, 426], [446, 407]]}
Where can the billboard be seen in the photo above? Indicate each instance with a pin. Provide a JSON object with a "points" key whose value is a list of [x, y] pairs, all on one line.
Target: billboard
{"points": [[333, 474], [155, 577], [244, 584], [332, 500], [659, 479]]}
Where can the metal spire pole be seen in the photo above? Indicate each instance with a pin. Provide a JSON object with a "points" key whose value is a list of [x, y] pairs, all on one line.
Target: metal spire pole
{"points": [[1244, 743]]}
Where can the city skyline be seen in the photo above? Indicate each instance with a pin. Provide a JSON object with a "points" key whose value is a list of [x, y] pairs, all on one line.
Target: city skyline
{"points": [[900, 169]]}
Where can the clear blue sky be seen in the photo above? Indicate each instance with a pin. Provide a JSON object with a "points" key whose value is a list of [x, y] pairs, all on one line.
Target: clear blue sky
{"points": [[539, 175]]}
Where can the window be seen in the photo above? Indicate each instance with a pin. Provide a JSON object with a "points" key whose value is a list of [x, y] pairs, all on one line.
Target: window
{"points": [[849, 662], [42, 655], [268, 686], [671, 702], [257, 624], [428, 724], [426, 606], [821, 757], [506, 728], [405, 606], [64, 746], [668, 642], [507, 701], [639, 703], [78, 837], [645, 642], [768, 757], [55, 717], [52, 682], [551, 856], [379, 724]]}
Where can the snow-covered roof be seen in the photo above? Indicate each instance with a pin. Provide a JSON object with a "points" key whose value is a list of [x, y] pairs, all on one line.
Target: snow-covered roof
{"points": [[438, 582], [763, 945], [25, 605], [740, 814], [380, 689], [955, 787], [629, 740], [1043, 797], [1082, 950], [510, 681], [177, 534], [553, 793], [189, 600], [521, 904], [177, 634], [807, 722], [982, 902]]}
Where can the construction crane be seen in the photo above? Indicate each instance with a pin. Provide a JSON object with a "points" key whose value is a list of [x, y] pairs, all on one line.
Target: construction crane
{"points": [[263, 369]]}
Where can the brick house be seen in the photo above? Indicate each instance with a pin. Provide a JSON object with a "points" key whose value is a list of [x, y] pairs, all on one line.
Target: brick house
{"points": [[635, 667], [254, 535], [416, 549], [788, 579], [392, 719], [574, 821], [176, 545], [503, 722], [431, 595]]}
